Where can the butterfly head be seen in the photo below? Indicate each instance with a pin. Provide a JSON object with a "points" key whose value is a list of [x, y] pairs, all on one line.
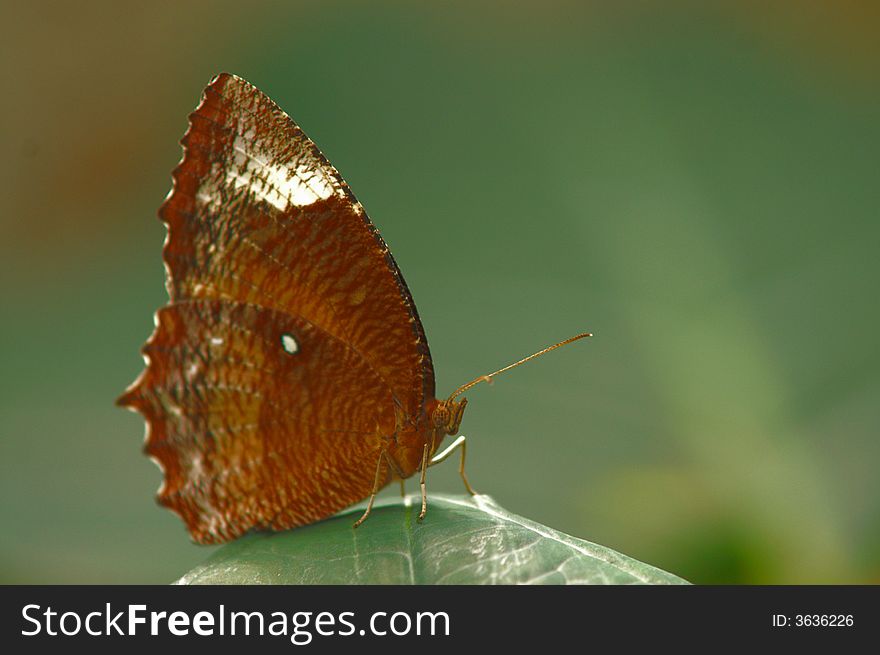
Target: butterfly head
{"points": [[447, 415]]}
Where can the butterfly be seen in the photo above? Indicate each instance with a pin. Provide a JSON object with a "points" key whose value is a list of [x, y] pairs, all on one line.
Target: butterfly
{"points": [[289, 375]]}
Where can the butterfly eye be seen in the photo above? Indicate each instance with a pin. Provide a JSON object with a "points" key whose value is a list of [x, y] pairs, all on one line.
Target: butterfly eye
{"points": [[440, 416], [290, 344]]}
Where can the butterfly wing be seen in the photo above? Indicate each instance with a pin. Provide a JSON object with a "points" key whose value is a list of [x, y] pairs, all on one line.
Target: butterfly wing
{"points": [[241, 423], [290, 347]]}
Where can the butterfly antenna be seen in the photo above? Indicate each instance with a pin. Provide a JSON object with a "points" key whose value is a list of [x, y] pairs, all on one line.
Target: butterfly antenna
{"points": [[488, 378]]}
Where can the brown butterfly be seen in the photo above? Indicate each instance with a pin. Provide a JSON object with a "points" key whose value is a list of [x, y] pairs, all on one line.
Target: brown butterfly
{"points": [[289, 375]]}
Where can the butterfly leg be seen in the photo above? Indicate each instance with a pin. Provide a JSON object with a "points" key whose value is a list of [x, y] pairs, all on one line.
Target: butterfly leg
{"points": [[382, 455], [402, 489], [422, 483], [461, 442]]}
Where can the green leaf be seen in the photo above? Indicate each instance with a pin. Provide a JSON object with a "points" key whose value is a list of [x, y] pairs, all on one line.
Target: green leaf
{"points": [[463, 540]]}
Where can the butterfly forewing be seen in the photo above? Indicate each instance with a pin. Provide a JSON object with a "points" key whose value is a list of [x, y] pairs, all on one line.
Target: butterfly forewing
{"points": [[259, 215], [290, 349]]}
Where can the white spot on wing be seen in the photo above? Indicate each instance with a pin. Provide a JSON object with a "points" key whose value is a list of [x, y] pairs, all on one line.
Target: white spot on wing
{"points": [[289, 343], [216, 341], [196, 470], [277, 185]]}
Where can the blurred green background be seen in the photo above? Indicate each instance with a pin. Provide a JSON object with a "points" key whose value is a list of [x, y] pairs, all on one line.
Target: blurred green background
{"points": [[697, 186]]}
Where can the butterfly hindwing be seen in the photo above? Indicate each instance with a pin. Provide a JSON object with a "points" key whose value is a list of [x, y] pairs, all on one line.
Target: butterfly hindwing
{"points": [[241, 453]]}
